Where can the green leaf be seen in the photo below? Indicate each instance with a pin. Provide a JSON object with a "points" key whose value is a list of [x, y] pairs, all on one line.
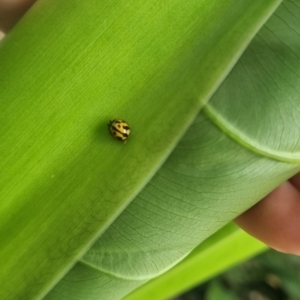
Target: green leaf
{"points": [[222, 250], [65, 180], [197, 191], [265, 87], [207, 181]]}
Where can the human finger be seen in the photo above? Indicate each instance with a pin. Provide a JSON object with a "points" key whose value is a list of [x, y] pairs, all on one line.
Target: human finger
{"points": [[276, 219], [11, 12]]}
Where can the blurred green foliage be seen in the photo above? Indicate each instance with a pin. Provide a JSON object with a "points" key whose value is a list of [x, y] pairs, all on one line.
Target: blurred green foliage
{"points": [[269, 276]]}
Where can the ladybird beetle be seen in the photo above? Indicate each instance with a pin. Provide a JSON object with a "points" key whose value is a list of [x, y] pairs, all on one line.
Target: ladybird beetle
{"points": [[119, 129]]}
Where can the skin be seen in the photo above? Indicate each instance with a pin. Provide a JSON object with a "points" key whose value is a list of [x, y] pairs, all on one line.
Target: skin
{"points": [[274, 220], [11, 11]]}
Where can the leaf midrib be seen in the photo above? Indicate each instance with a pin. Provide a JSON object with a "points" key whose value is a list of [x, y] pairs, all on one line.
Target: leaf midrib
{"points": [[242, 139]]}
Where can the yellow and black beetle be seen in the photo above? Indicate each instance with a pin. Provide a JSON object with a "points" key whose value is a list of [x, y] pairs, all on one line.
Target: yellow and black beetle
{"points": [[119, 129]]}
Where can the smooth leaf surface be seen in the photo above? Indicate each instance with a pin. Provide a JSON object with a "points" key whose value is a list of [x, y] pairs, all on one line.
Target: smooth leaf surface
{"points": [[66, 69], [208, 180]]}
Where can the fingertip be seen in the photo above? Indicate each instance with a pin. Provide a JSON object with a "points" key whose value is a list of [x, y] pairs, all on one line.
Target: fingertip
{"points": [[11, 12], [276, 219]]}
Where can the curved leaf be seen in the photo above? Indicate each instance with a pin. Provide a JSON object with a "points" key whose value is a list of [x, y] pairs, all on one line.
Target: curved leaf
{"points": [[208, 180], [197, 191], [63, 178], [228, 247], [265, 86]]}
